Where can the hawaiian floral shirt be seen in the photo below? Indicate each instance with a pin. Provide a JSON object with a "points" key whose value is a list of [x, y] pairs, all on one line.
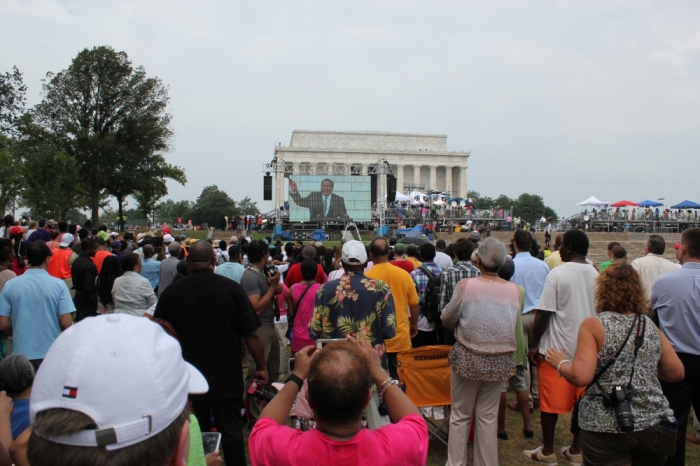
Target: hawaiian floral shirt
{"points": [[355, 305]]}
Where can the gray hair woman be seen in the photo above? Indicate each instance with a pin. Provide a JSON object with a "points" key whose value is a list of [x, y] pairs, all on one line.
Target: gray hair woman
{"points": [[16, 378], [483, 312]]}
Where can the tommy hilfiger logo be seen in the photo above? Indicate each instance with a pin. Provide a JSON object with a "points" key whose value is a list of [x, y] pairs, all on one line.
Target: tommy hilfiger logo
{"points": [[70, 392]]}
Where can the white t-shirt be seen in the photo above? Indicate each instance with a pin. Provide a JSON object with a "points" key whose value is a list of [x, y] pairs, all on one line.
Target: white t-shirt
{"points": [[443, 260], [569, 295]]}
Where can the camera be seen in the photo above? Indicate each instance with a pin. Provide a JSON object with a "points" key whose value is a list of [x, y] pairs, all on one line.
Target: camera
{"points": [[270, 270], [618, 398], [257, 389]]}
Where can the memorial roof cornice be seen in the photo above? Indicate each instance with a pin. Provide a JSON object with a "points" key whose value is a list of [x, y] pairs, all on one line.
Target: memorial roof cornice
{"points": [[361, 150]]}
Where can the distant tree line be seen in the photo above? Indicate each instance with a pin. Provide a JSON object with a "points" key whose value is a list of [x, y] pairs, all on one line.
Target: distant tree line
{"points": [[529, 207]]}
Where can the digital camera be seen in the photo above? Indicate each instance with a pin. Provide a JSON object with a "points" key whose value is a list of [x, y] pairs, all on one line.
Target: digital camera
{"points": [[257, 389], [618, 398]]}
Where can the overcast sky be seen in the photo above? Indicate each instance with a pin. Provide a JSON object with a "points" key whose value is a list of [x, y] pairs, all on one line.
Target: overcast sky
{"points": [[561, 99]]}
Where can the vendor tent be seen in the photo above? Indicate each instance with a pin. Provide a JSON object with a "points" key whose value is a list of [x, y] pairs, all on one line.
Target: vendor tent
{"points": [[592, 201], [650, 204], [399, 197], [624, 204], [686, 205]]}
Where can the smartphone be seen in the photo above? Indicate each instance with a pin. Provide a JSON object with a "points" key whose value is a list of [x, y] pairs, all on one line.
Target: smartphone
{"points": [[211, 441], [291, 365], [323, 342]]}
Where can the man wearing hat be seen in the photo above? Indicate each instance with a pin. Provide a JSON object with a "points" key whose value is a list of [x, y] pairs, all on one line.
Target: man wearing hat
{"points": [[168, 267], [113, 390], [294, 273], [365, 311], [62, 260], [35, 307], [400, 258], [167, 239], [475, 236]]}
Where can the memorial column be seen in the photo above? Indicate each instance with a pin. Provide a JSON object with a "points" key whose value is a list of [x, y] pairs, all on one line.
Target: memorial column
{"points": [[399, 178], [448, 181], [416, 175], [463, 182], [433, 177]]}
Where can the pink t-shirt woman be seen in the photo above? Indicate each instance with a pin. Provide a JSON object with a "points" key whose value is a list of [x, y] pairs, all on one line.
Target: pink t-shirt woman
{"points": [[303, 314]]}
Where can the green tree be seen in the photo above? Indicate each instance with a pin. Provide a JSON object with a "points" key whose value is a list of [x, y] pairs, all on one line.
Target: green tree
{"points": [[50, 181], [531, 208], [12, 101], [211, 207], [11, 179], [111, 117], [247, 207], [170, 210]]}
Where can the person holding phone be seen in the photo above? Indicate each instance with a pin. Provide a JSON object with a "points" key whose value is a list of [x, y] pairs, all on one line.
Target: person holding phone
{"points": [[339, 378]]}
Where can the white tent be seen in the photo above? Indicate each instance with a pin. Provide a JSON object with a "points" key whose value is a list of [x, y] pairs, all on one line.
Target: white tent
{"points": [[418, 193], [593, 201], [399, 197]]}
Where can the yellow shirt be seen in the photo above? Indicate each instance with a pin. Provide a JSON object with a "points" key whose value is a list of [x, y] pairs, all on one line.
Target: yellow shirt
{"points": [[554, 260], [416, 262], [404, 292]]}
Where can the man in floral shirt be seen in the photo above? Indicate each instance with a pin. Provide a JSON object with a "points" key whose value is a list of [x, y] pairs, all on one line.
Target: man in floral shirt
{"points": [[358, 306]]}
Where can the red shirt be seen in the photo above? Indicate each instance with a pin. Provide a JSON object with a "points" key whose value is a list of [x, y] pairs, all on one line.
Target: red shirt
{"points": [[294, 275], [99, 258], [404, 443], [407, 265]]}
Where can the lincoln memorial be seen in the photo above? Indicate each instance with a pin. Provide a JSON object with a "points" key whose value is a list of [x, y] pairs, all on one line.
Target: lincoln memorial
{"points": [[418, 161]]}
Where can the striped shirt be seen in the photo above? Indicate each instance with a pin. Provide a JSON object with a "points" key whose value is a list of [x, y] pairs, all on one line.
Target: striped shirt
{"points": [[452, 276]]}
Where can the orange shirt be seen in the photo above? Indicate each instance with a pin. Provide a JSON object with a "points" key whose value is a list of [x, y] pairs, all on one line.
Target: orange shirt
{"points": [[58, 264], [404, 292], [100, 258]]}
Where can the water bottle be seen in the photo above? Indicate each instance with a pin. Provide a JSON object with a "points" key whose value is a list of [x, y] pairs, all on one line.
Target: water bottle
{"points": [[668, 421]]}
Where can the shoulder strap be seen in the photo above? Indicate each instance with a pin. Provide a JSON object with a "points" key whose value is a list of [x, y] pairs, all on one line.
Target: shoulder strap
{"points": [[427, 272], [614, 358], [303, 293]]}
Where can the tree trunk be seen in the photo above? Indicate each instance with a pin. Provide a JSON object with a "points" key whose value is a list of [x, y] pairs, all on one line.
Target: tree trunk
{"points": [[95, 205], [120, 221]]}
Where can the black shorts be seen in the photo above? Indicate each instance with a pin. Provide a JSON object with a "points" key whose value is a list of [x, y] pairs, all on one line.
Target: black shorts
{"points": [[648, 447]]}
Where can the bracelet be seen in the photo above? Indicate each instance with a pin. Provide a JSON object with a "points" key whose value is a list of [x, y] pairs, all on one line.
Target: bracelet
{"points": [[381, 387], [389, 382], [559, 365]]}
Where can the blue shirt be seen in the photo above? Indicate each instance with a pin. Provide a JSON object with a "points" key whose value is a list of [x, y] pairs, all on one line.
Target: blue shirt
{"points": [[150, 270], [232, 270], [35, 300], [530, 273], [20, 417], [675, 296]]}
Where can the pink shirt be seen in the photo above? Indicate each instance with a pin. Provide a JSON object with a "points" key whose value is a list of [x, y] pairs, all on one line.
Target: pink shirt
{"points": [[404, 443], [300, 336]]}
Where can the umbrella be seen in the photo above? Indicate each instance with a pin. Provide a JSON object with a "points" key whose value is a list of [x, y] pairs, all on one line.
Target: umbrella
{"points": [[650, 204], [686, 205], [417, 240], [624, 204]]}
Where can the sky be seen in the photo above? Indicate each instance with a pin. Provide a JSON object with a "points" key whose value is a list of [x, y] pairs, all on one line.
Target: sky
{"points": [[560, 99]]}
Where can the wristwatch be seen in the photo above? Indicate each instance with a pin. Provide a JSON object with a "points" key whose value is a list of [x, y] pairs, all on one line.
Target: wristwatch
{"points": [[293, 378]]}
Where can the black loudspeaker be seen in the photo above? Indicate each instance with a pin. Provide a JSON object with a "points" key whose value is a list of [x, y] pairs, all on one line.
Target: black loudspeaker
{"points": [[390, 188], [373, 188], [267, 188]]}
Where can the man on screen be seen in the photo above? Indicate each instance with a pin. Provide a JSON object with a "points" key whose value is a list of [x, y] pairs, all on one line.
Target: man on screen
{"points": [[321, 204]]}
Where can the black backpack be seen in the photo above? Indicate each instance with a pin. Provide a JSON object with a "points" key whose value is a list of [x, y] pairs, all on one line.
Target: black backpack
{"points": [[431, 300]]}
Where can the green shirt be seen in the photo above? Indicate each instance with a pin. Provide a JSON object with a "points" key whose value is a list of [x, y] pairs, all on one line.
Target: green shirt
{"points": [[521, 346], [605, 265], [196, 456]]}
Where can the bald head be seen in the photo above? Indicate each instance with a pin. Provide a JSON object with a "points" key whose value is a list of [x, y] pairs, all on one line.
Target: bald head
{"points": [[557, 241], [339, 384], [200, 251]]}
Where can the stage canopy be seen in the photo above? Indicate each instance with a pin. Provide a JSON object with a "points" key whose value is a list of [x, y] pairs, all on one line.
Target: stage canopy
{"points": [[650, 204], [624, 204], [686, 205], [593, 201]]}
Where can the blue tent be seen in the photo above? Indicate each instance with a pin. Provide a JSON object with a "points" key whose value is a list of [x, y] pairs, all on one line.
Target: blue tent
{"points": [[686, 205], [319, 235], [650, 204]]}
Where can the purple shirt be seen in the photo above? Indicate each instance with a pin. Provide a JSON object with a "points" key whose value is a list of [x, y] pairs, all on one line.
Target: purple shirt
{"points": [[41, 233]]}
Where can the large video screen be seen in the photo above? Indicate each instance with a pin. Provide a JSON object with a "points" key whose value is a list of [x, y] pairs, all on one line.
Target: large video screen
{"points": [[320, 198]]}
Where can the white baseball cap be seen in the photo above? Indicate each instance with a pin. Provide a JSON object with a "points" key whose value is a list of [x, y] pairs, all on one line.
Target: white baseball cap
{"points": [[66, 240], [354, 251], [124, 372], [168, 238]]}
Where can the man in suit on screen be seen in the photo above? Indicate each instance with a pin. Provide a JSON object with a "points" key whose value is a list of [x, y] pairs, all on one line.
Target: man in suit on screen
{"points": [[321, 204]]}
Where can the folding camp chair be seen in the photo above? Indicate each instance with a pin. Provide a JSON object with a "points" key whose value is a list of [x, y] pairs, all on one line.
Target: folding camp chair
{"points": [[426, 372]]}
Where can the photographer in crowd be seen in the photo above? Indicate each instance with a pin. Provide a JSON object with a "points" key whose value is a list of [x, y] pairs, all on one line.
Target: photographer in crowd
{"points": [[261, 283], [340, 377], [620, 357]]}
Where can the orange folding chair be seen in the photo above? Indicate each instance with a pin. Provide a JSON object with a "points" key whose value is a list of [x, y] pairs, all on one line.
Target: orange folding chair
{"points": [[426, 372]]}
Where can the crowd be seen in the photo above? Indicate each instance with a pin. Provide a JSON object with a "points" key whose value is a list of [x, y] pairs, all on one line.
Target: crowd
{"points": [[125, 347]]}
